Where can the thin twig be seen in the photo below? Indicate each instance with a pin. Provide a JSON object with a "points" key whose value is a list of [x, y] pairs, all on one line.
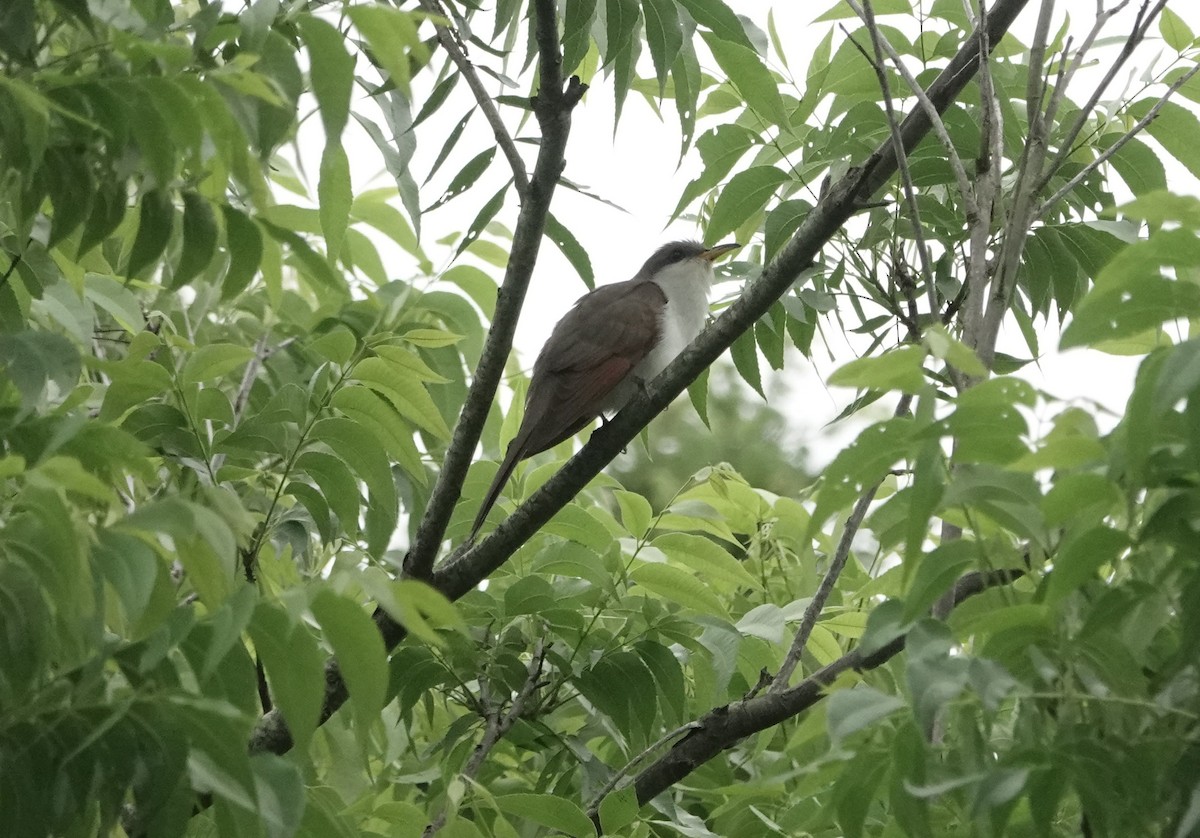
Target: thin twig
{"points": [[906, 181], [829, 581], [453, 46], [552, 106], [725, 726], [1141, 25], [931, 111], [1115, 147], [497, 723], [594, 807]]}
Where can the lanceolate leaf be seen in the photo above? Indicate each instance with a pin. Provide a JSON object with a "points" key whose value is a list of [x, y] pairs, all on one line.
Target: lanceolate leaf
{"points": [[572, 249]]}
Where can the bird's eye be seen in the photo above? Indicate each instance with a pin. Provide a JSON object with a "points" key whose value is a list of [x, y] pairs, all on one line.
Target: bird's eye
{"points": [[677, 254]]}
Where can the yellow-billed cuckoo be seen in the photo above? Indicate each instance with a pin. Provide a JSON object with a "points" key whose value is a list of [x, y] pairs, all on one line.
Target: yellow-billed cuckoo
{"points": [[615, 339]]}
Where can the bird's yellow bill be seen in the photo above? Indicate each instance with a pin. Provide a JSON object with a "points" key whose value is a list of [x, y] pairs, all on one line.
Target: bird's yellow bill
{"points": [[715, 253]]}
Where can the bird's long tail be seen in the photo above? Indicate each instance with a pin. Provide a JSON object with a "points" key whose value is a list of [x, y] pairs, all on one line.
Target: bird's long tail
{"points": [[514, 455]]}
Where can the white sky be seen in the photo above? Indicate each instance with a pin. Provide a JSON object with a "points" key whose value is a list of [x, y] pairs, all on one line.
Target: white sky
{"points": [[639, 170]]}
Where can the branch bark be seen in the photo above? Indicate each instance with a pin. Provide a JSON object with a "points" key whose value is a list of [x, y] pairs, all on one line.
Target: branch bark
{"points": [[725, 726], [461, 573], [552, 106]]}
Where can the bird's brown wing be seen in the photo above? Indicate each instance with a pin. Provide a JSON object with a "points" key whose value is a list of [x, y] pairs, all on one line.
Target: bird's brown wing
{"points": [[592, 349]]}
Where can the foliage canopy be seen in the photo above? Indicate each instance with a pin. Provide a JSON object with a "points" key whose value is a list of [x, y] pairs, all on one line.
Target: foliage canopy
{"points": [[234, 433]]}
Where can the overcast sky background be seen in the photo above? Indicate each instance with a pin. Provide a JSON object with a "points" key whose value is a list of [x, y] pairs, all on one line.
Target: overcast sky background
{"points": [[639, 169]]}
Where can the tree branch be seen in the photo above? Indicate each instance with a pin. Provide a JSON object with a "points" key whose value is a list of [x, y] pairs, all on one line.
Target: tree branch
{"points": [[458, 576], [780, 682], [461, 573], [552, 105], [451, 42], [497, 724], [724, 726]]}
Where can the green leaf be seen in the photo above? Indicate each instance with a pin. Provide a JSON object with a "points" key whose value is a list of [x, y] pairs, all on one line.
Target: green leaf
{"points": [[1175, 128], [331, 73], [745, 358], [392, 35], [366, 407], [335, 196], [618, 810], [466, 177], [155, 220], [483, 218], [718, 18], [1131, 293], [708, 559], [746, 194], [244, 241], [213, 361], [1174, 31], [854, 709], [747, 72], [199, 239], [361, 656], [294, 667], [942, 344], [577, 33], [106, 293], [404, 390], [1079, 559], [636, 513], [899, 369], [108, 208], [367, 459], [279, 794], [572, 249], [675, 585], [664, 36], [548, 810]]}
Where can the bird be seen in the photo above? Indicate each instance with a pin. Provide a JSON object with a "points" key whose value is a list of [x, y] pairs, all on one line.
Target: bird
{"points": [[606, 347]]}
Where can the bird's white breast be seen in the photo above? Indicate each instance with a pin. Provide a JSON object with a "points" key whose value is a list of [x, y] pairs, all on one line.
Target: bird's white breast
{"points": [[685, 285]]}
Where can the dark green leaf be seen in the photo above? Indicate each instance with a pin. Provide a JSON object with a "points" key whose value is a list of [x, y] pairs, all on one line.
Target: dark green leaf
{"points": [[199, 239], [746, 194], [572, 249], [243, 240], [664, 36], [332, 71], [155, 220]]}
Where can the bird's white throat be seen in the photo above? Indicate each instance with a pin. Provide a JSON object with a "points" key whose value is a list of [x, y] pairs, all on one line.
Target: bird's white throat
{"points": [[686, 285]]}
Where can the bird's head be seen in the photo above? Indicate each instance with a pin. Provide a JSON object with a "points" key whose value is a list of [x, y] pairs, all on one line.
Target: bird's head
{"points": [[684, 261]]}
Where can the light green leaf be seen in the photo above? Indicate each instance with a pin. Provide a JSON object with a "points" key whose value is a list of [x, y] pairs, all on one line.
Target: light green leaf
{"points": [[116, 299], [746, 194], [1175, 32], [675, 585], [636, 513], [392, 35], [747, 72], [618, 810], [548, 810], [213, 361], [1079, 559], [950, 349], [332, 70], [294, 667], [360, 654], [899, 369], [854, 709], [406, 393], [708, 559], [335, 195], [718, 18]]}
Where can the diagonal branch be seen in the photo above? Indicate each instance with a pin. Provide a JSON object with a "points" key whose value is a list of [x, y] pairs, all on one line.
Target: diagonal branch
{"points": [[454, 48], [461, 573], [552, 105], [726, 725]]}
